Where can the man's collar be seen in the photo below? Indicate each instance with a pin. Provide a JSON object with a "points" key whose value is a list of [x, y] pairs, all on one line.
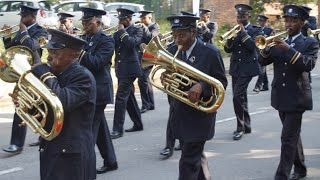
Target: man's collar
{"points": [[189, 51], [29, 27]]}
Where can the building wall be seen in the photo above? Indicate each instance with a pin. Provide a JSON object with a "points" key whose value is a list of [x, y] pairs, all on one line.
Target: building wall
{"points": [[223, 11]]}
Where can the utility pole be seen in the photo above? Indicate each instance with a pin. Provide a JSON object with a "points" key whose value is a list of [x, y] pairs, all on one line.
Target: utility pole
{"points": [[318, 12]]}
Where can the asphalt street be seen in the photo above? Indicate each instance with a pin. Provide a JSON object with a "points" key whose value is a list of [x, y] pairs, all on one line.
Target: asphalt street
{"points": [[254, 157]]}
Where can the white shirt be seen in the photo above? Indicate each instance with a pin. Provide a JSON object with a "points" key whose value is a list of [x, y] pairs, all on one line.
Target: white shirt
{"points": [[295, 37], [189, 51]]}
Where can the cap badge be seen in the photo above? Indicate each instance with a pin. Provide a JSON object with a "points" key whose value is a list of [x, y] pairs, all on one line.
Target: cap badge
{"points": [[176, 21], [290, 10]]}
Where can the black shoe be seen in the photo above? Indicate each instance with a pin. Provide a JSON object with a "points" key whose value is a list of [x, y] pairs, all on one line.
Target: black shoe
{"points": [[297, 176], [115, 135], [152, 108], [143, 110], [237, 135], [264, 89], [37, 143], [247, 131], [133, 129], [177, 148], [167, 152], [256, 90], [106, 168], [13, 149]]}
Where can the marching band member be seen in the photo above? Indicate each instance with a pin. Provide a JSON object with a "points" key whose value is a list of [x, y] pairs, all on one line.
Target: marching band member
{"points": [[262, 81], [127, 67], [66, 23], [143, 81], [28, 35], [191, 126], [311, 22], [206, 29], [291, 92], [70, 156], [97, 57], [243, 66]]}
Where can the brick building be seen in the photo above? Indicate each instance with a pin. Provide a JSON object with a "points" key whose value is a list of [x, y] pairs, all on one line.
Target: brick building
{"points": [[223, 11]]}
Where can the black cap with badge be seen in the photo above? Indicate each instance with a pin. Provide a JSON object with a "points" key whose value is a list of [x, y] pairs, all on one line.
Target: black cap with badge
{"points": [[183, 21], [145, 13], [204, 12], [243, 9], [60, 40], [124, 13], [64, 15], [308, 9], [295, 11], [25, 10], [89, 13], [187, 13], [262, 18]]}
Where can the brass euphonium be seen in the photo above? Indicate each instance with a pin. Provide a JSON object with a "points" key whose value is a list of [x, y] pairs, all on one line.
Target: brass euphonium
{"points": [[32, 96], [263, 42], [230, 34], [179, 76]]}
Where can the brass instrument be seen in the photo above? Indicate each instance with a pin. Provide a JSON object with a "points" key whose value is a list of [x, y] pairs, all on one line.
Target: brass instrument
{"points": [[179, 75], [263, 42], [166, 38], [42, 41], [230, 34], [8, 32], [111, 30], [313, 33], [31, 94]]}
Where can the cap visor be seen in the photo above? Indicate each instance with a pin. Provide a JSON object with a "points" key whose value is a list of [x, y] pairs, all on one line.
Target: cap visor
{"points": [[53, 45]]}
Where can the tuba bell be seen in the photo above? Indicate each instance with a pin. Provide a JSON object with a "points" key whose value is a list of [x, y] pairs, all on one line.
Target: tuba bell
{"points": [[180, 76], [33, 97]]}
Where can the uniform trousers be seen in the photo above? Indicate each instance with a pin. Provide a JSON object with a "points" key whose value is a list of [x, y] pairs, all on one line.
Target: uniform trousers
{"points": [[125, 100], [146, 90], [102, 137], [193, 164], [262, 81], [240, 102], [291, 146], [18, 133]]}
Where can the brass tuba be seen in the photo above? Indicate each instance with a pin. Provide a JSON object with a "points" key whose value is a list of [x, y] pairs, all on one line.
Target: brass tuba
{"points": [[179, 76], [230, 34], [263, 42], [31, 94], [8, 32], [166, 38]]}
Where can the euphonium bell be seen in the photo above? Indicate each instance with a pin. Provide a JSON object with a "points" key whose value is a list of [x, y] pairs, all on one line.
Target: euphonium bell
{"points": [[230, 34], [33, 97], [179, 76], [263, 42]]}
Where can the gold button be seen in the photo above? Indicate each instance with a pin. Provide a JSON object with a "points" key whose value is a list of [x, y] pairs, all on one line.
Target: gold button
{"points": [[64, 150], [285, 63], [283, 84], [41, 149], [284, 74]]}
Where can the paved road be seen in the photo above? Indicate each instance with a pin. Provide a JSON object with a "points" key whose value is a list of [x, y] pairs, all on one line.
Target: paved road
{"points": [[255, 157]]}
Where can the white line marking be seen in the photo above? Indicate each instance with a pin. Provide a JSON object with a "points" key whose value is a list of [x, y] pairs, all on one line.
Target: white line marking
{"points": [[233, 118], [10, 170], [312, 75], [6, 120]]}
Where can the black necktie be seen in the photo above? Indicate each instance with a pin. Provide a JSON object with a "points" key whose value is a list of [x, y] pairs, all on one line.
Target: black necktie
{"points": [[184, 56], [290, 40]]}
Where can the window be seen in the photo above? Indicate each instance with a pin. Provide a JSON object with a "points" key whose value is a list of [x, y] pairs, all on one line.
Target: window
{"points": [[65, 7], [45, 5], [4, 6]]}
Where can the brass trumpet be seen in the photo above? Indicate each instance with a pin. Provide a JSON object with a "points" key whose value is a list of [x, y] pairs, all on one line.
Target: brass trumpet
{"points": [[262, 42], [111, 30], [313, 33], [180, 75], [32, 95], [8, 32], [230, 34]]}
